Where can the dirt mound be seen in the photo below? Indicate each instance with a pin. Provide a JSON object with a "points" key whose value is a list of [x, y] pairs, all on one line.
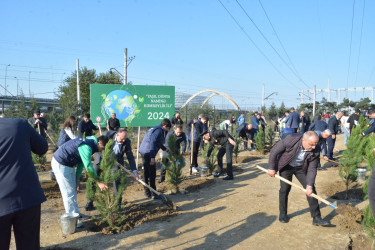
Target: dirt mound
{"points": [[190, 184], [51, 190], [246, 159], [337, 191], [349, 218], [135, 215], [41, 168]]}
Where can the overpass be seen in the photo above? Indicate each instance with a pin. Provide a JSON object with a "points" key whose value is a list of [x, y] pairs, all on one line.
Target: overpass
{"points": [[44, 103]]}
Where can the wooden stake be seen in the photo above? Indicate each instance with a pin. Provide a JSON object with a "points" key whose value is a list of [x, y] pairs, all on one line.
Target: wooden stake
{"points": [[192, 144], [139, 133]]}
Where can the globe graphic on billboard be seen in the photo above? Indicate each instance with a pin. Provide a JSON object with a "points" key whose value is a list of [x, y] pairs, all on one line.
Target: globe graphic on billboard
{"points": [[121, 103]]}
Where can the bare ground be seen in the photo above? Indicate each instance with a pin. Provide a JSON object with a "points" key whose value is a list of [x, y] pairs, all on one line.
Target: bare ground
{"points": [[237, 214]]}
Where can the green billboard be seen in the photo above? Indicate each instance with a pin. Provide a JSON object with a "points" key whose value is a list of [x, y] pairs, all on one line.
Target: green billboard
{"points": [[138, 105]]}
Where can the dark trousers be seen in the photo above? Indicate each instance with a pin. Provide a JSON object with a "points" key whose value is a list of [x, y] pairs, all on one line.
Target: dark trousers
{"points": [[196, 145], [288, 172], [252, 137], [26, 227], [227, 150], [331, 144], [149, 174]]}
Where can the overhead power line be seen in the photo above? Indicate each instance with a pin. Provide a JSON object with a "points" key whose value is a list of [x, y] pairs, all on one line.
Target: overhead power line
{"points": [[350, 46], [256, 46], [269, 43], [360, 41]]}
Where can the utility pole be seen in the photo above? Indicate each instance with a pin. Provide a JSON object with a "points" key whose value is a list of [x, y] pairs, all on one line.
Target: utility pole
{"points": [[78, 89], [302, 97], [125, 66], [314, 100], [262, 95]]}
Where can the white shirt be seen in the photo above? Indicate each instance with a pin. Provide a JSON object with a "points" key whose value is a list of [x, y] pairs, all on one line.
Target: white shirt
{"points": [[69, 132]]}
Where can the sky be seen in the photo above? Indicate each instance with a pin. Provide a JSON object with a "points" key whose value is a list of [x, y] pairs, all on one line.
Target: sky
{"points": [[233, 46]]}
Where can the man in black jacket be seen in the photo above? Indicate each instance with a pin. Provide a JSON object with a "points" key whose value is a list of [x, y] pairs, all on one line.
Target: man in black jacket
{"points": [[20, 190], [86, 126], [353, 120], [226, 141], [297, 155], [333, 125], [121, 146], [243, 131], [113, 123], [176, 119], [39, 123]]}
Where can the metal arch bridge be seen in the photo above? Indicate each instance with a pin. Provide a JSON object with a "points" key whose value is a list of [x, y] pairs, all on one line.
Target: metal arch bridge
{"points": [[214, 93]]}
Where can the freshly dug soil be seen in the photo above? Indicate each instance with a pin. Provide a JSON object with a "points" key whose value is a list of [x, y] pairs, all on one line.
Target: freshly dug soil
{"points": [[190, 184], [349, 218], [136, 214], [40, 168], [337, 191]]}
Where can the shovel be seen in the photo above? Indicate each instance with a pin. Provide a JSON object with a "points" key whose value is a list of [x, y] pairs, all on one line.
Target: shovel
{"points": [[164, 199], [301, 188]]}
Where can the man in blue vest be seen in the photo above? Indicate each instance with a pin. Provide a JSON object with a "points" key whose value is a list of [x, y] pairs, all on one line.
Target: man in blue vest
{"points": [[76, 152], [151, 144], [20, 190], [199, 126]]}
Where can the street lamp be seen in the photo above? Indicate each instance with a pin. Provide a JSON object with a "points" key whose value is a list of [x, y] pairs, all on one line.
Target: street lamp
{"points": [[17, 85], [5, 79]]}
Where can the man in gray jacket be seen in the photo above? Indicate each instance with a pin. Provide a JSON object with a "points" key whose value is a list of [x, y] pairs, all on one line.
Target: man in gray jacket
{"points": [[297, 155]]}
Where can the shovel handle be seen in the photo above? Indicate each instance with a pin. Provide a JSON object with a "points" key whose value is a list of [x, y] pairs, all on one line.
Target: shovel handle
{"points": [[50, 137], [299, 187], [139, 180], [336, 162]]}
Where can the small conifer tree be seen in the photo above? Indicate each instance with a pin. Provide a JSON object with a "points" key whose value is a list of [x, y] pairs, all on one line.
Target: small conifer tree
{"points": [[259, 140], [176, 162], [270, 135], [211, 161], [236, 148], [105, 201]]}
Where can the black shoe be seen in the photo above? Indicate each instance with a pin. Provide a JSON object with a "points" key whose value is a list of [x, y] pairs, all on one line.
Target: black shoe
{"points": [[283, 219], [228, 178], [318, 221], [89, 206], [322, 169], [161, 179], [148, 194]]}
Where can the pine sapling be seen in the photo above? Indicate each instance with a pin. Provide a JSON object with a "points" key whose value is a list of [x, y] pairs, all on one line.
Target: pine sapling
{"points": [[211, 161], [105, 201], [259, 141], [174, 165], [270, 135]]}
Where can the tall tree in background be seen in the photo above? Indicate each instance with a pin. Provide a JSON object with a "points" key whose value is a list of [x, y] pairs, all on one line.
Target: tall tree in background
{"points": [[67, 93], [281, 111], [272, 112]]}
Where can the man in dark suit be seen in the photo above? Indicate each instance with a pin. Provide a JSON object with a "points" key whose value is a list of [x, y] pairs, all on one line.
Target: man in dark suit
{"points": [[333, 125], [121, 146], [292, 120], [85, 126], [20, 190], [297, 155], [113, 123], [39, 123]]}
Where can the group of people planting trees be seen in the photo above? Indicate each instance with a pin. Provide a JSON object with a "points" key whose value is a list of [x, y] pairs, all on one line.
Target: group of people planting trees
{"points": [[301, 140]]}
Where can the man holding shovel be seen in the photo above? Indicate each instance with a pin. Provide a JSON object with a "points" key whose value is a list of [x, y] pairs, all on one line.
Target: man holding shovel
{"points": [[39, 123], [297, 155], [151, 144], [121, 146]]}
